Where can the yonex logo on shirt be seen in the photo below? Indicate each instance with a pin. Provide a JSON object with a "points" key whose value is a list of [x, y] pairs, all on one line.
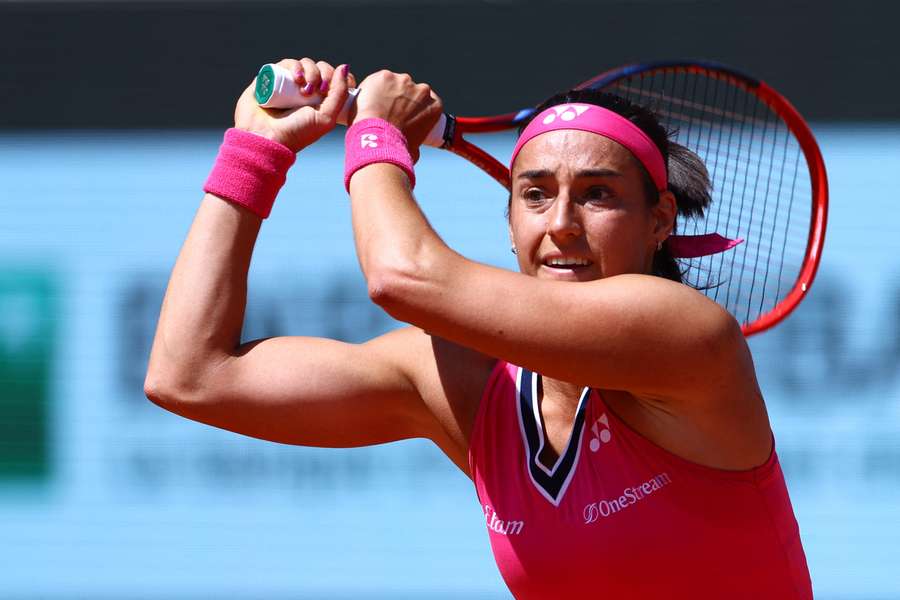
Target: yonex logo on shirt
{"points": [[368, 140], [566, 112], [630, 496], [601, 435]]}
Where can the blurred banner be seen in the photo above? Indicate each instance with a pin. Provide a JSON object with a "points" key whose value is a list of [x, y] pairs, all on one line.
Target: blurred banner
{"points": [[27, 339], [105, 495]]}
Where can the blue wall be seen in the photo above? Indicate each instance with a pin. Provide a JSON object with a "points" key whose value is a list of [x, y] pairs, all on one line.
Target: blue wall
{"points": [[122, 499]]}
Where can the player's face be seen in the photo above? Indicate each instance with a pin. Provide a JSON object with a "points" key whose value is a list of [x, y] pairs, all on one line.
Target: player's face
{"points": [[579, 210]]}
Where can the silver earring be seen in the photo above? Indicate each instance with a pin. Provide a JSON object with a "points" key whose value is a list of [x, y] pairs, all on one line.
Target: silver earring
{"points": [[513, 250], [658, 246]]}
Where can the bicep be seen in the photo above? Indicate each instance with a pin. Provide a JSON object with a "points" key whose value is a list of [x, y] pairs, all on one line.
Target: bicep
{"points": [[637, 333], [315, 392]]}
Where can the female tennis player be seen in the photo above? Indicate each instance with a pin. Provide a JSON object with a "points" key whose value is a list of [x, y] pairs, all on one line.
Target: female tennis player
{"points": [[608, 415]]}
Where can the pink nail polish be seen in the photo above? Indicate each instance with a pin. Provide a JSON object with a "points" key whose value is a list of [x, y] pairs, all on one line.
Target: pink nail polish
{"points": [[324, 87], [344, 70], [298, 75], [307, 89]]}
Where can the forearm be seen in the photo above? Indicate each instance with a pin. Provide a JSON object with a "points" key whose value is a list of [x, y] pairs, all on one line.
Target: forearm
{"points": [[394, 240], [203, 309]]}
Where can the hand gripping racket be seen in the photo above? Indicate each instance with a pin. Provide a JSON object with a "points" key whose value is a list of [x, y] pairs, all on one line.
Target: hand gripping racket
{"points": [[276, 88], [768, 177]]}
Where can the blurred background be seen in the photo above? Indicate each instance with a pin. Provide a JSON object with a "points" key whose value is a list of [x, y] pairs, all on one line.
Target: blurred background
{"points": [[110, 117]]}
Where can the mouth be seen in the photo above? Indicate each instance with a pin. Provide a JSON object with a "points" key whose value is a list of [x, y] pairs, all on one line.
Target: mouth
{"points": [[566, 263]]}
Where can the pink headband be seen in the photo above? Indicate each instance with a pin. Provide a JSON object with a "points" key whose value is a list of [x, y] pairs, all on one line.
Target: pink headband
{"points": [[599, 120]]}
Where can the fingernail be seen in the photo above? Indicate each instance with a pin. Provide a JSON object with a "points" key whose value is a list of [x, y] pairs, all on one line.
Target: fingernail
{"points": [[324, 87], [307, 89], [344, 70], [298, 75]]}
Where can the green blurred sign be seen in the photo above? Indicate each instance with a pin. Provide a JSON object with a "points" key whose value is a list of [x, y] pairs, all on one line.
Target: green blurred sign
{"points": [[28, 316]]}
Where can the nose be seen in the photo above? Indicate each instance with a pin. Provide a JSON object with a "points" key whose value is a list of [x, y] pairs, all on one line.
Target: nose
{"points": [[563, 220]]}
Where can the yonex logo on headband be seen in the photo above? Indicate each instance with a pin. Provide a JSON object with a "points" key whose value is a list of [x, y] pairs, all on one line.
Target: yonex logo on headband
{"points": [[368, 140], [601, 121], [565, 112]]}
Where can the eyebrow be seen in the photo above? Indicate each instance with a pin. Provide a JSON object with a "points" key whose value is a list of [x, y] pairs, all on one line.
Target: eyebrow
{"points": [[542, 173]]}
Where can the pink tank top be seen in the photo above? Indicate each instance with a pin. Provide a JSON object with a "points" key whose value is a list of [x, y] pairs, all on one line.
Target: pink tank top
{"points": [[618, 516]]}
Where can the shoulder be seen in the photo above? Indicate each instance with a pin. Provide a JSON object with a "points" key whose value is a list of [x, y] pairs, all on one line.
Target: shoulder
{"points": [[715, 415], [692, 345]]}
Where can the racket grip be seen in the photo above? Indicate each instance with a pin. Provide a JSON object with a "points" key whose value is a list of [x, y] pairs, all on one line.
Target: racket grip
{"points": [[276, 88]]}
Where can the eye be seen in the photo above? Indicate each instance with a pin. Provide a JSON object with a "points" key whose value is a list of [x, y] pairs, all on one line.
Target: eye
{"points": [[597, 193], [534, 195]]}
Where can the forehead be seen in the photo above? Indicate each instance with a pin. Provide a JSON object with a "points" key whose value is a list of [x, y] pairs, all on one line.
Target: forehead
{"points": [[573, 150]]}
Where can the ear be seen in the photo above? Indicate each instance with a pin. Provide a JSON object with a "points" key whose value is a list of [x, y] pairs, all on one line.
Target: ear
{"points": [[664, 213], [509, 229]]}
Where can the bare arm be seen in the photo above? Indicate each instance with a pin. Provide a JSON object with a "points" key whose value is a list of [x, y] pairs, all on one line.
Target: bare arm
{"points": [[203, 309], [293, 390], [637, 333]]}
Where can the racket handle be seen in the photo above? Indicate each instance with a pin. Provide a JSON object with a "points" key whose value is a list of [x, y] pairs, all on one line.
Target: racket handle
{"points": [[276, 88]]}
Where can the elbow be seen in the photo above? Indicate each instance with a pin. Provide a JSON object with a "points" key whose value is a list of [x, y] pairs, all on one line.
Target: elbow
{"points": [[157, 391], [385, 288], [398, 285], [408, 278], [168, 389], [413, 285]]}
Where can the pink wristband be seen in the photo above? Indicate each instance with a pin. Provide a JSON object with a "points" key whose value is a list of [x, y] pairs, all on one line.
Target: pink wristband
{"points": [[375, 141], [249, 170]]}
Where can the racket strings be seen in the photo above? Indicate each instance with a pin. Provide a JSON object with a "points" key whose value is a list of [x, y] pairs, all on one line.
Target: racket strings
{"points": [[777, 199], [761, 191], [751, 199], [711, 152]]}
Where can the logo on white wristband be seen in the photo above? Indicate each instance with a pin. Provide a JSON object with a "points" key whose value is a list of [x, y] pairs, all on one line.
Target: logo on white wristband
{"points": [[368, 140]]}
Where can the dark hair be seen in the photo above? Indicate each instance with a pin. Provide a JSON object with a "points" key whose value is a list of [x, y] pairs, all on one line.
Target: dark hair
{"points": [[688, 179]]}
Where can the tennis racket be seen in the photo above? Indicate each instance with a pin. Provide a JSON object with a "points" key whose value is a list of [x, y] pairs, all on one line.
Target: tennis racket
{"points": [[768, 177]]}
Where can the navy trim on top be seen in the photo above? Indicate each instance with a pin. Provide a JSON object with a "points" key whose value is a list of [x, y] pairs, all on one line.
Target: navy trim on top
{"points": [[552, 483]]}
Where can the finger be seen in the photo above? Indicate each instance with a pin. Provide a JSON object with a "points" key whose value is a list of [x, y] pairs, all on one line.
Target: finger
{"points": [[250, 89], [437, 100], [291, 65], [423, 93], [351, 80], [337, 94], [311, 75], [327, 72], [376, 77]]}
